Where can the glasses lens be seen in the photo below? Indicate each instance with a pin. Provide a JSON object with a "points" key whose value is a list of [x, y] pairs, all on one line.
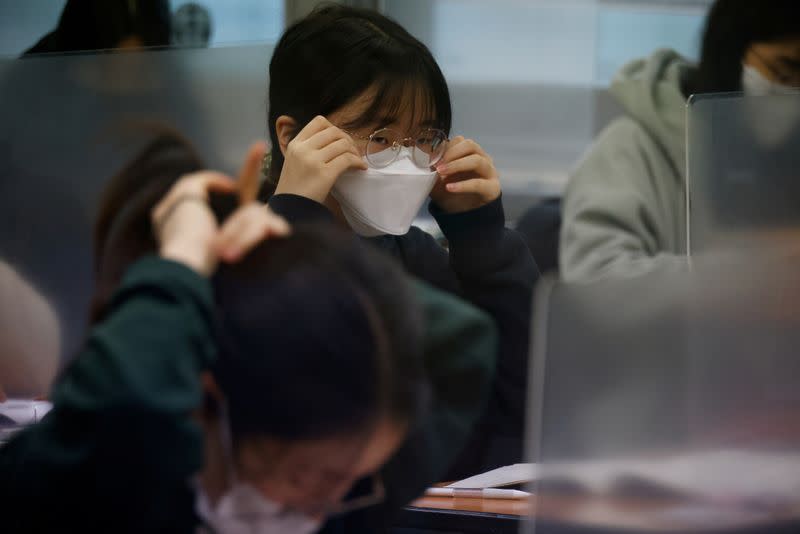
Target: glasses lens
{"points": [[383, 147], [429, 147]]}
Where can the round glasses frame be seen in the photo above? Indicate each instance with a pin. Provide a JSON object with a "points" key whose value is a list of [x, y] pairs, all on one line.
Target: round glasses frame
{"points": [[383, 146]]}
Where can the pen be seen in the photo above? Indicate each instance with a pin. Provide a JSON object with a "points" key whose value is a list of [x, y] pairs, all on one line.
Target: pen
{"points": [[477, 493]]}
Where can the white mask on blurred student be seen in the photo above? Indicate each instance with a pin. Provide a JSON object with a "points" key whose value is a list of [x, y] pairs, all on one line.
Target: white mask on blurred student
{"points": [[773, 120], [386, 200], [756, 84], [243, 510]]}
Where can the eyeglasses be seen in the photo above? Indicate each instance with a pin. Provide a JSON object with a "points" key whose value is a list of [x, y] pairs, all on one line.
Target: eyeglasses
{"points": [[382, 147]]}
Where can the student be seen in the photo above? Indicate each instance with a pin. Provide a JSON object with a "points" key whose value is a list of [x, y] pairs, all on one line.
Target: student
{"points": [[315, 382], [359, 119], [624, 209]]}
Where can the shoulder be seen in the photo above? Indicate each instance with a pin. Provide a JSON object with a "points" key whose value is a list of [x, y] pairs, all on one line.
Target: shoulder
{"points": [[623, 155]]}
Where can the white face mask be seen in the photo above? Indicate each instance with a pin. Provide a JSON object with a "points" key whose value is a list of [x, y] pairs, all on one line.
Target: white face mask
{"points": [[773, 119], [756, 84], [384, 201], [244, 510]]}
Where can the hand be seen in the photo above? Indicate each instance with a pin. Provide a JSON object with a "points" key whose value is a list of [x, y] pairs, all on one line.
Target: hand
{"points": [[315, 158], [187, 229], [184, 224], [467, 177]]}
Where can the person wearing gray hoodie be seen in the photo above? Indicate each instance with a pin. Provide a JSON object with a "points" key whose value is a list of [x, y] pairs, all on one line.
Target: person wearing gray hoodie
{"points": [[624, 211]]}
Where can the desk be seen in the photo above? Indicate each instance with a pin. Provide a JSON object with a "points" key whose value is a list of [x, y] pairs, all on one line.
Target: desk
{"points": [[468, 516], [589, 514]]}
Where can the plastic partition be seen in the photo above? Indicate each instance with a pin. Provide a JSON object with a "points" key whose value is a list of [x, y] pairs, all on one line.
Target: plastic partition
{"points": [[743, 166], [669, 402], [69, 123]]}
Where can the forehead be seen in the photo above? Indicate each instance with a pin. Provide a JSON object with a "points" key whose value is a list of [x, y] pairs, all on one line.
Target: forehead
{"points": [[336, 456], [352, 455], [407, 108]]}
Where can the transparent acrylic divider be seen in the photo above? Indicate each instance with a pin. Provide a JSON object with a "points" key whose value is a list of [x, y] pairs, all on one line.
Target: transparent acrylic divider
{"points": [[669, 401], [743, 156], [65, 130]]}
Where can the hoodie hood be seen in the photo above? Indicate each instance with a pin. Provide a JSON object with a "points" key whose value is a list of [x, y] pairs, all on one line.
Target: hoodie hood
{"points": [[651, 92]]}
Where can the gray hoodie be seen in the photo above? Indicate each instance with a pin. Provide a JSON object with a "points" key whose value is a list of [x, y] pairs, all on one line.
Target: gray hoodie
{"points": [[624, 210]]}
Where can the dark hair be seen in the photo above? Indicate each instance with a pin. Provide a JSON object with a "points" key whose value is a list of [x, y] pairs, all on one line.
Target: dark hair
{"points": [[102, 24], [333, 55], [321, 337], [731, 28], [317, 333], [122, 230]]}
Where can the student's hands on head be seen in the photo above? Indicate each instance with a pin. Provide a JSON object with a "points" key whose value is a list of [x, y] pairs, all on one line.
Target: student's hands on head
{"points": [[187, 230], [314, 159], [468, 178]]}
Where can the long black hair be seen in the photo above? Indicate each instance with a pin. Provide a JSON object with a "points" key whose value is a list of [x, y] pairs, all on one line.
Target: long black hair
{"points": [[731, 28], [317, 333], [334, 55]]}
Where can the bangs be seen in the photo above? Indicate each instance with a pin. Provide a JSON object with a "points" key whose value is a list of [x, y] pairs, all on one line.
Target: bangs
{"points": [[406, 101]]}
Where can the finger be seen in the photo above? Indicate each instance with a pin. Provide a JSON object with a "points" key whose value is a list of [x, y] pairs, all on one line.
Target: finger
{"points": [[250, 237], [473, 163], [346, 161], [254, 214], [246, 228], [216, 182], [460, 149], [325, 137], [198, 185], [316, 125], [234, 225], [337, 148], [250, 172], [485, 188]]}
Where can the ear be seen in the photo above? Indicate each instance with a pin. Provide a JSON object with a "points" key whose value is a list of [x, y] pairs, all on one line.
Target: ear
{"points": [[285, 127]]}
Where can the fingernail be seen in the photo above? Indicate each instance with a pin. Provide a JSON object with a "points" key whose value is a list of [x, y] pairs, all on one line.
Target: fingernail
{"points": [[452, 187], [441, 168]]}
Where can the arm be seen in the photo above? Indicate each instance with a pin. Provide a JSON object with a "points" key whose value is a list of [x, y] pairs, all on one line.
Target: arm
{"points": [[119, 437], [459, 352], [624, 210], [496, 273]]}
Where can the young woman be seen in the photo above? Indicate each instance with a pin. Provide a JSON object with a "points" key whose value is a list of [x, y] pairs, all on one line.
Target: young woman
{"points": [[359, 119], [624, 210], [293, 383]]}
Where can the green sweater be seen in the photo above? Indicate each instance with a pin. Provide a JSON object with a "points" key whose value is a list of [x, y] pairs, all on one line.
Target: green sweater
{"points": [[119, 449]]}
